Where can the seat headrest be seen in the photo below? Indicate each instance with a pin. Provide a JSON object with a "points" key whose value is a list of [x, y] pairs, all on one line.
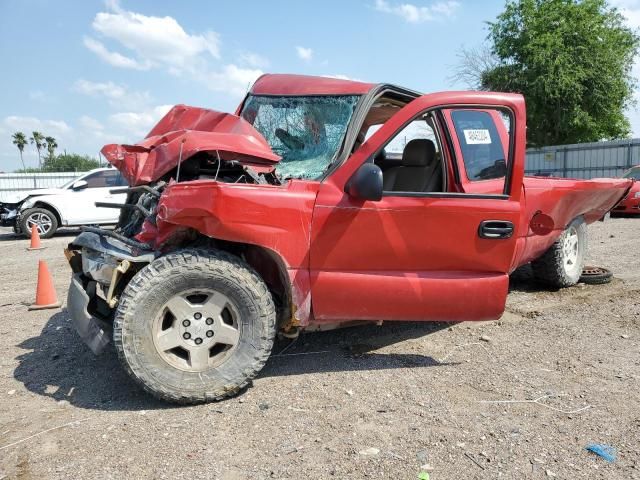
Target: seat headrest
{"points": [[419, 152]]}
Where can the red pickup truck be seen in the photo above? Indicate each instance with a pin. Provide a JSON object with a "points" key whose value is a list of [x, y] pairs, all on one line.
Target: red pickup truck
{"points": [[295, 214]]}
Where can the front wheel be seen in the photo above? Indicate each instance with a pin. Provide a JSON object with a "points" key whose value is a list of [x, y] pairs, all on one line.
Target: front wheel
{"points": [[195, 326], [43, 219], [561, 265]]}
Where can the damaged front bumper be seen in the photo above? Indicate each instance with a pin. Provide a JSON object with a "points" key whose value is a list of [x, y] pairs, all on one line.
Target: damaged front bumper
{"points": [[8, 215], [99, 263], [92, 330]]}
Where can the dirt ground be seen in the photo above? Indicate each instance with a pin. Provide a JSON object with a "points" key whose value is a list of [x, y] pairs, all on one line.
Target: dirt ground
{"points": [[366, 402]]}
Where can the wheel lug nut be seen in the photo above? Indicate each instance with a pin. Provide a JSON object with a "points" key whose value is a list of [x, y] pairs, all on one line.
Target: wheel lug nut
{"points": [[197, 316], [198, 341], [209, 333], [186, 323], [209, 321], [186, 335]]}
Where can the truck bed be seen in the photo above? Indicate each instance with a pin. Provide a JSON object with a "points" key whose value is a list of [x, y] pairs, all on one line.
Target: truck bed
{"points": [[564, 199]]}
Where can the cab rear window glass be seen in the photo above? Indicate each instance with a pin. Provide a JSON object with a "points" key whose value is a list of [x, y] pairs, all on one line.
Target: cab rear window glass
{"points": [[482, 149]]}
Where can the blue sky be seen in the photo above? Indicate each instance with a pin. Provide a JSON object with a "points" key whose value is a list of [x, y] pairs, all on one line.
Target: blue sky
{"points": [[94, 72]]}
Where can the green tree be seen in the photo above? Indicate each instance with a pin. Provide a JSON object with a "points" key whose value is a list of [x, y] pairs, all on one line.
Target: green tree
{"points": [[51, 145], [20, 140], [70, 163], [572, 61], [37, 139]]}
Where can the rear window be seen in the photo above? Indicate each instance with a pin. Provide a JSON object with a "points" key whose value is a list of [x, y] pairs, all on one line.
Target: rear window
{"points": [[482, 149]]}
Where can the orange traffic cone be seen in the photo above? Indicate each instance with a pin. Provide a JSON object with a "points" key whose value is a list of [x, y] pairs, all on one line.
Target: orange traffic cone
{"points": [[45, 293], [35, 239]]}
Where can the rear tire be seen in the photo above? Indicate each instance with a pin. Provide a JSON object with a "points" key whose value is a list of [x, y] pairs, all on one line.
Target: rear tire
{"points": [[561, 265], [194, 326], [45, 219]]}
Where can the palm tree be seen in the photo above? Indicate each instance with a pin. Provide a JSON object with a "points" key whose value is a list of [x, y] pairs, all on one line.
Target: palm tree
{"points": [[20, 141], [51, 146], [37, 139]]}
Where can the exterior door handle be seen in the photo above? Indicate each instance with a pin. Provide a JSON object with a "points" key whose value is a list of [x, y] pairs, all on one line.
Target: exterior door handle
{"points": [[495, 229]]}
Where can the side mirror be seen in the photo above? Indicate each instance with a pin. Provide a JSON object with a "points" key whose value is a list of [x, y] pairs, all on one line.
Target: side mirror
{"points": [[366, 183], [79, 185]]}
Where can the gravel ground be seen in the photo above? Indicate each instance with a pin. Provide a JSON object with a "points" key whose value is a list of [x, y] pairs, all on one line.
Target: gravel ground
{"points": [[367, 402]]}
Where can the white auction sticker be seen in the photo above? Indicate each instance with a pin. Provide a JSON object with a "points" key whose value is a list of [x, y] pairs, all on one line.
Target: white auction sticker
{"points": [[477, 137]]}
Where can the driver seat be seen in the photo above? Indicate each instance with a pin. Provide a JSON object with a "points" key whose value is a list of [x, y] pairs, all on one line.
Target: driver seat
{"points": [[421, 171]]}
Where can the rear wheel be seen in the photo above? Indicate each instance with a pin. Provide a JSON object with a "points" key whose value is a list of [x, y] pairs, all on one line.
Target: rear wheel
{"points": [[561, 265], [195, 326], [43, 219]]}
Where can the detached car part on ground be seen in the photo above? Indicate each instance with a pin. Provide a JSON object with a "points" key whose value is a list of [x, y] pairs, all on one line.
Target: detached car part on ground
{"points": [[290, 216], [70, 205]]}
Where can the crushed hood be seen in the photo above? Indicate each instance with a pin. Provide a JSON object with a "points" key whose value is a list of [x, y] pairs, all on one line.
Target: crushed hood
{"points": [[197, 130]]}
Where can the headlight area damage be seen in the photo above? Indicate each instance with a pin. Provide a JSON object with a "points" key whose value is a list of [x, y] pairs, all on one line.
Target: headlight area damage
{"points": [[8, 214], [211, 144], [177, 173]]}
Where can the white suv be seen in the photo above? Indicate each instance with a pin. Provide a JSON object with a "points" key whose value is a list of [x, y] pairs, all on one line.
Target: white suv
{"points": [[72, 204]]}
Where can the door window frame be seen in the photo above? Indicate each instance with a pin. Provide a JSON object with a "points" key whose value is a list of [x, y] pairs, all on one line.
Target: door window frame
{"points": [[450, 151], [439, 144]]}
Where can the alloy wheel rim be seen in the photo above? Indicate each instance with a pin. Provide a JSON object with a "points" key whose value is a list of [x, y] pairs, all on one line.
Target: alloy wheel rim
{"points": [[41, 221], [571, 251], [197, 330]]}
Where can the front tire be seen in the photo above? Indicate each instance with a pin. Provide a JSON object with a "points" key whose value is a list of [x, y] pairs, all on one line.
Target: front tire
{"points": [[561, 266], [44, 219], [194, 326]]}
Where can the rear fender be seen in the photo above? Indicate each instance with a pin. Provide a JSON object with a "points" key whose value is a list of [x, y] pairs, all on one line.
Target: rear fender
{"points": [[565, 199], [559, 202]]}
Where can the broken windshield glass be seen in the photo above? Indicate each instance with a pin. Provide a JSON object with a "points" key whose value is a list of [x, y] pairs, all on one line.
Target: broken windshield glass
{"points": [[305, 131]]}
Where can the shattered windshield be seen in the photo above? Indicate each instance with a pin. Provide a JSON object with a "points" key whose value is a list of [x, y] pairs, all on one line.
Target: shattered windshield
{"points": [[305, 131]]}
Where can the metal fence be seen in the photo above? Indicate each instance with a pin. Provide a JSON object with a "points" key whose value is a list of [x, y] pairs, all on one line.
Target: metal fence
{"points": [[15, 183], [584, 160]]}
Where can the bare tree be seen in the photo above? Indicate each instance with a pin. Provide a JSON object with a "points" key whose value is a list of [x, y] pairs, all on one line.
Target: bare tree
{"points": [[472, 64]]}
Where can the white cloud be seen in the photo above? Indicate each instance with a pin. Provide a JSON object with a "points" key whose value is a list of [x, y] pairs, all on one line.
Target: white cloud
{"points": [[161, 42], [305, 54], [254, 60], [117, 95], [27, 125], [108, 89], [154, 41], [89, 123], [113, 58], [137, 124], [418, 14], [232, 79]]}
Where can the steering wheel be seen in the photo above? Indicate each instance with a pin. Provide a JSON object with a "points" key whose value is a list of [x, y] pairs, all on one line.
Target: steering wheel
{"points": [[290, 141]]}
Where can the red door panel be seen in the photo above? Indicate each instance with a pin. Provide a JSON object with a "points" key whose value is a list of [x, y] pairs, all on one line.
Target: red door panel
{"points": [[406, 258]]}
